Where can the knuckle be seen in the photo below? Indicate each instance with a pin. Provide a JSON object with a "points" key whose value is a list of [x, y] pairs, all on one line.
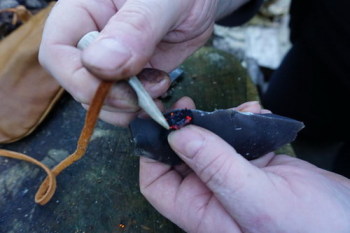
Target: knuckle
{"points": [[81, 86], [215, 171], [139, 17], [114, 118], [122, 90], [80, 94]]}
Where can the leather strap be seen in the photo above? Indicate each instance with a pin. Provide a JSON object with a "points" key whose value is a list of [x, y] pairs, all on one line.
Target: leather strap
{"points": [[48, 186]]}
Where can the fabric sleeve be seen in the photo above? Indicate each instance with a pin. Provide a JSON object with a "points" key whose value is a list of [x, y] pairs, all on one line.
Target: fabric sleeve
{"points": [[242, 14]]}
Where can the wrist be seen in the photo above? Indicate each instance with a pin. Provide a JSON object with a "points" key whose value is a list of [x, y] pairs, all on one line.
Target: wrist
{"points": [[226, 7]]}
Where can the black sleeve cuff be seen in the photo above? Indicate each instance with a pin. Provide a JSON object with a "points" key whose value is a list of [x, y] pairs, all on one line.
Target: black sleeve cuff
{"points": [[242, 14]]}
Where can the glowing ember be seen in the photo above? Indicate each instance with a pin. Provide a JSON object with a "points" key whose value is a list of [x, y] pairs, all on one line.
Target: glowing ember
{"points": [[179, 118]]}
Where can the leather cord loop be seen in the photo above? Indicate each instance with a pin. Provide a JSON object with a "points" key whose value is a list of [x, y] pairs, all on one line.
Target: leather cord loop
{"points": [[48, 186]]}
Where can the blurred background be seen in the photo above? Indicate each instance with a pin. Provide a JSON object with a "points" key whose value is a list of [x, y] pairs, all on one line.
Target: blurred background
{"points": [[261, 44]]}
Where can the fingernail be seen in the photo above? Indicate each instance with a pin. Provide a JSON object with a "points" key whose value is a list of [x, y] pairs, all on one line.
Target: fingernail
{"points": [[252, 103], [152, 75], [160, 85], [247, 106], [154, 79], [121, 96], [265, 111], [106, 54], [186, 141]]}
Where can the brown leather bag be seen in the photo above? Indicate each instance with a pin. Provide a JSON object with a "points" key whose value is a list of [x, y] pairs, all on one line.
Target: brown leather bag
{"points": [[27, 91], [27, 94]]}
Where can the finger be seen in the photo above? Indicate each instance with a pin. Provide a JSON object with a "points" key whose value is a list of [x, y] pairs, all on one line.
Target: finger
{"points": [[122, 98], [159, 184], [184, 102], [209, 156], [156, 82], [115, 118], [265, 111], [58, 52], [251, 106], [127, 42], [263, 161], [156, 176], [232, 178], [183, 201], [150, 171], [159, 104], [79, 18]]}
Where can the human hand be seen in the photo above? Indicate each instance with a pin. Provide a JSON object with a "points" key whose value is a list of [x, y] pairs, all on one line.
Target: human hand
{"points": [[134, 34], [217, 190]]}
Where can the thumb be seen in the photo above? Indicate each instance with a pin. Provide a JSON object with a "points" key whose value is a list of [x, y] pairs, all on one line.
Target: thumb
{"points": [[232, 178], [129, 39]]}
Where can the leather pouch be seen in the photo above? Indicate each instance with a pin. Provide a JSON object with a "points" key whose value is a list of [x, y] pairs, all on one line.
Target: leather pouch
{"points": [[27, 91]]}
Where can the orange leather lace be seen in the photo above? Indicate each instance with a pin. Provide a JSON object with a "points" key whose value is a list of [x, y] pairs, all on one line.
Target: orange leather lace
{"points": [[48, 186]]}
